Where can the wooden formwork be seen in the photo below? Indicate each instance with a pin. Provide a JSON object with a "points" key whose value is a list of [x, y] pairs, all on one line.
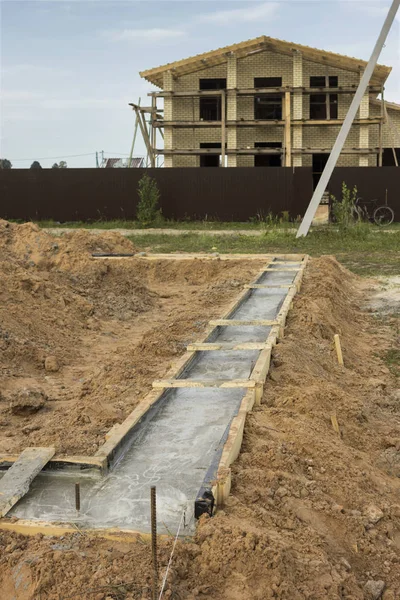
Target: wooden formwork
{"points": [[120, 433], [222, 485]]}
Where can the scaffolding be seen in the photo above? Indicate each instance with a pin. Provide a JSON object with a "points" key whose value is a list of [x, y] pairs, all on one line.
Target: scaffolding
{"points": [[157, 123]]}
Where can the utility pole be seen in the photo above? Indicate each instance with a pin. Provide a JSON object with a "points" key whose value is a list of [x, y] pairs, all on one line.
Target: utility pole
{"points": [[97, 160], [343, 133]]}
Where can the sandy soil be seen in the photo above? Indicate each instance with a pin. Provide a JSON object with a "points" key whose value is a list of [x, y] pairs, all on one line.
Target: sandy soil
{"points": [[82, 340], [312, 515]]}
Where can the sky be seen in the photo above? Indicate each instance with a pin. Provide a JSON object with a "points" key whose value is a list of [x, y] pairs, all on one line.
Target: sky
{"points": [[69, 68]]}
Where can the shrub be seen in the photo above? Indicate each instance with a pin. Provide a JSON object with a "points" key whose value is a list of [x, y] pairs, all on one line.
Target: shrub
{"points": [[148, 210]]}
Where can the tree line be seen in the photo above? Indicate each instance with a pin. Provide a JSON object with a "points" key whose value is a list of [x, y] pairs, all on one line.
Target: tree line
{"points": [[6, 164]]}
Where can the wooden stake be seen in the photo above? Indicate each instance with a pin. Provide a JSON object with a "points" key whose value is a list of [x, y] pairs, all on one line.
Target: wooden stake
{"points": [[335, 423], [338, 350]]}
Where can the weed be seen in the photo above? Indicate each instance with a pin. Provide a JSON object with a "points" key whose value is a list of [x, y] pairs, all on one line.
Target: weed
{"points": [[345, 211]]}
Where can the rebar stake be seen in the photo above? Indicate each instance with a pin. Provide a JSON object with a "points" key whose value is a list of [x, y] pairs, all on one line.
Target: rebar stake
{"points": [[154, 541], [78, 496]]}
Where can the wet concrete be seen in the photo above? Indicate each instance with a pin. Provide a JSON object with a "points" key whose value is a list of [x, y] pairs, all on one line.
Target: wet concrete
{"points": [[174, 446], [173, 452]]}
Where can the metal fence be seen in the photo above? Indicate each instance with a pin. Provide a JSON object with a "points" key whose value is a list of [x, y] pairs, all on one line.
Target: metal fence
{"points": [[231, 194], [186, 193], [372, 183]]}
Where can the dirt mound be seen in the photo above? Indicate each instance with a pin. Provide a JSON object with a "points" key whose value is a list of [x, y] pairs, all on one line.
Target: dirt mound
{"points": [[52, 293], [72, 251], [50, 288]]}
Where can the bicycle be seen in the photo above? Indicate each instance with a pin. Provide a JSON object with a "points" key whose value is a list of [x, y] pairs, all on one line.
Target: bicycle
{"points": [[374, 211]]}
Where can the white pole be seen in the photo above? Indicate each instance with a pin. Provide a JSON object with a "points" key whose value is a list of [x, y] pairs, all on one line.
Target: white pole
{"points": [[341, 138]]}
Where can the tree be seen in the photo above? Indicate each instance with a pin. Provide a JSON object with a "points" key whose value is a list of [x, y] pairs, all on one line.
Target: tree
{"points": [[36, 165], [5, 163], [62, 164], [55, 166], [148, 210]]}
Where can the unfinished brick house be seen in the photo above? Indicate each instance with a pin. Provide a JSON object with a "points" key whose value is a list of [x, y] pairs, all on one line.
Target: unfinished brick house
{"points": [[267, 102]]}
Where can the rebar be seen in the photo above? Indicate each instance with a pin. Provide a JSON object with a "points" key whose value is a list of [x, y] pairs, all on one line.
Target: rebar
{"points": [[78, 496], [154, 540]]}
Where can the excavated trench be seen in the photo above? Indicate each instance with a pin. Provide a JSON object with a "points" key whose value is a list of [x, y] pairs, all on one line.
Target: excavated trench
{"points": [[177, 444]]}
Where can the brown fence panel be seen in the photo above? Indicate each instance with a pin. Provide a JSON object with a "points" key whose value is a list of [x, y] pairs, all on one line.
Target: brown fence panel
{"points": [[189, 193], [371, 182]]}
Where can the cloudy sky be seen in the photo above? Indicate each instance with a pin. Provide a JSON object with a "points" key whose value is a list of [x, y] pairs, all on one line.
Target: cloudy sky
{"points": [[70, 68]]}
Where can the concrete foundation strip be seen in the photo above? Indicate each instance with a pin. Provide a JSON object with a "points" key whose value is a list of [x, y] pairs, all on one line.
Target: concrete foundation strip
{"points": [[115, 438], [220, 488]]}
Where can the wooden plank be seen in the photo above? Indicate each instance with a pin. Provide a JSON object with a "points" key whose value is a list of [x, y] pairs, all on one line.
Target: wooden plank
{"points": [[238, 323], [262, 286], [327, 96], [15, 483], [282, 270], [223, 128], [287, 134], [209, 346], [153, 138], [159, 123], [256, 151], [143, 130], [203, 383], [349, 89]]}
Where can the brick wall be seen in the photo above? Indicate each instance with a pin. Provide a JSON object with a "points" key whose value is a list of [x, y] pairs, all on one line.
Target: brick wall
{"points": [[240, 73]]}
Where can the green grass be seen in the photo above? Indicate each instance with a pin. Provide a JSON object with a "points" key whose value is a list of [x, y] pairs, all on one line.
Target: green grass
{"points": [[164, 224], [361, 249], [267, 223]]}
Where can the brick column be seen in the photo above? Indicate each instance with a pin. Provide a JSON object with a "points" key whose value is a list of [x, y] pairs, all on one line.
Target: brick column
{"points": [[364, 129], [168, 85], [297, 141], [231, 113]]}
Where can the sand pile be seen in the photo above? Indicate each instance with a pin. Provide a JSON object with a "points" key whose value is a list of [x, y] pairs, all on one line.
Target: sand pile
{"points": [[34, 247], [52, 292], [52, 288]]}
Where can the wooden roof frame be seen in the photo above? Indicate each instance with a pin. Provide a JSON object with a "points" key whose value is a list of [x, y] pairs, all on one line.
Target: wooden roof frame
{"points": [[243, 49], [391, 105]]}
